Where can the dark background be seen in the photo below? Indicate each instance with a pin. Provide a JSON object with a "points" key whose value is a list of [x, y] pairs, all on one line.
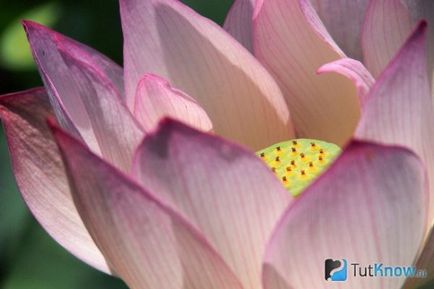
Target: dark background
{"points": [[29, 258]]}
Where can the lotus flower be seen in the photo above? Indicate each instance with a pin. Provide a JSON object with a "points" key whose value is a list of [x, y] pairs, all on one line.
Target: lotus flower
{"points": [[185, 202]]}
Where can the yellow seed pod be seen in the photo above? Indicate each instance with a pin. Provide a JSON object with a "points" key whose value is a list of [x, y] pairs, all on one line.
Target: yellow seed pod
{"points": [[298, 162]]}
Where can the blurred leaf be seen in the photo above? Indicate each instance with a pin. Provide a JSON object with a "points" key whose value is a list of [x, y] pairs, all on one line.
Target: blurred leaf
{"points": [[429, 285], [43, 264], [215, 10], [12, 210], [14, 50]]}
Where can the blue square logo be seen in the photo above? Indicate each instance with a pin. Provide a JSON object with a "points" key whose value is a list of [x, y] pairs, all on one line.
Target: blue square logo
{"points": [[335, 270]]}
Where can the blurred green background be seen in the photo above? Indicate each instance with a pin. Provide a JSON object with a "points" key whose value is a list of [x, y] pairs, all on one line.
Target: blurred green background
{"points": [[29, 258]]}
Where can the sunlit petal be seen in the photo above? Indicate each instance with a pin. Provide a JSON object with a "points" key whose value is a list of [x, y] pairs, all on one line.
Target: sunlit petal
{"points": [[167, 38], [323, 107]]}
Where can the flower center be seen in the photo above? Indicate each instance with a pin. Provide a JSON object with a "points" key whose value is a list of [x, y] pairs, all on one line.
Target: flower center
{"points": [[298, 162]]}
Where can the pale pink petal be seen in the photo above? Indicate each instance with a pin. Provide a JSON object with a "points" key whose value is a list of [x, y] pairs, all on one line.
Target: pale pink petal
{"points": [[353, 70], [344, 21], [40, 174], [221, 188], [156, 98], [167, 38], [148, 244], [387, 25], [239, 21], [399, 108], [369, 207], [290, 40], [84, 98]]}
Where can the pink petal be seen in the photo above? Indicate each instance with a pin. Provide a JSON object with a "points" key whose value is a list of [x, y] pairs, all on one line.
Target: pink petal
{"points": [[293, 48], [40, 175], [344, 20], [387, 26], [148, 244], [84, 98], [156, 98], [167, 38], [92, 58], [369, 207], [399, 107], [353, 70], [221, 188], [239, 22]]}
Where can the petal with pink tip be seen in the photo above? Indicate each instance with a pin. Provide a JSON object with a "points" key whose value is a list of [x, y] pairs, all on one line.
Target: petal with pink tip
{"points": [[239, 22], [369, 207], [84, 97], [227, 192], [167, 38], [399, 107], [40, 174], [424, 9], [344, 20], [156, 98], [148, 244], [293, 48], [353, 70], [387, 26], [38, 34]]}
